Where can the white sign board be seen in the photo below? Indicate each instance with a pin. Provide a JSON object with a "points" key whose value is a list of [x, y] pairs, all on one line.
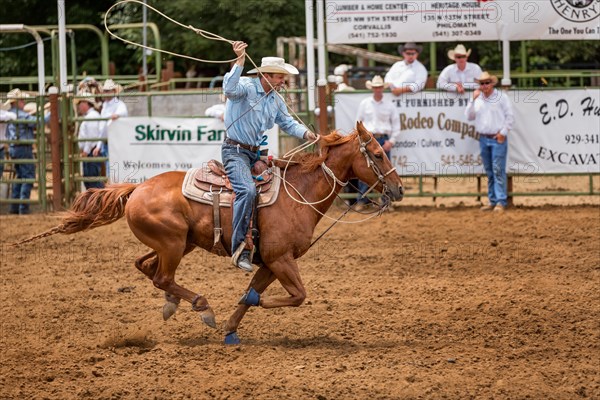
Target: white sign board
{"points": [[554, 132], [142, 147], [374, 21]]}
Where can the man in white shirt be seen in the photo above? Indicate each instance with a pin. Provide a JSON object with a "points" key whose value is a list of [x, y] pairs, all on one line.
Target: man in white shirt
{"points": [[112, 107], [408, 75], [5, 116], [90, 130], [217, 110], [380, 117], [493, 115], [461, 75]]}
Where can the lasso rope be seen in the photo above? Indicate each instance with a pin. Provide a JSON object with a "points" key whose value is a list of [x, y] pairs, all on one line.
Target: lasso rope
{"points": [[212, 36], [201, 32]]}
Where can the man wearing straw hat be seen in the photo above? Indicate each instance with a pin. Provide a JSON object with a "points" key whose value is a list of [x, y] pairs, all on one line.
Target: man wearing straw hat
{"points": [[461, 75], [492, 112], [89, 130], [113, 108], [381, 118], [252, 108], [20, 131]]}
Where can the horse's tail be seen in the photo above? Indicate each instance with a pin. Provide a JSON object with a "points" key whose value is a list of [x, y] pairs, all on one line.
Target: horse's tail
{"points": [[91, 209]]}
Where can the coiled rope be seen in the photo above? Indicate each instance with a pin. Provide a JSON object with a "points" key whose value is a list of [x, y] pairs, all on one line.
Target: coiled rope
{"points": [[212, 36]]}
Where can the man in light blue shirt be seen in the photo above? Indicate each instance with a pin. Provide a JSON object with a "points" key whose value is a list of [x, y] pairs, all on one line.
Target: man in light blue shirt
{"points": [[252, 108]]}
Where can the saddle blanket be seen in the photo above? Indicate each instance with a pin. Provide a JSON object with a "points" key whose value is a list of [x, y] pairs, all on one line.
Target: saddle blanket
{"points": [[192, 192]]}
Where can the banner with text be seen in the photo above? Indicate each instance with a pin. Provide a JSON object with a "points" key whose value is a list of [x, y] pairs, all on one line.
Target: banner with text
{"points": [[554, 132], [142, 147], [372, 21]]}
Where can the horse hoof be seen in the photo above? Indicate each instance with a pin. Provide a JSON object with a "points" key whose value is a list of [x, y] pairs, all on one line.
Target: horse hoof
{"points": [[168, 310], [208, 317], [232, 338]]}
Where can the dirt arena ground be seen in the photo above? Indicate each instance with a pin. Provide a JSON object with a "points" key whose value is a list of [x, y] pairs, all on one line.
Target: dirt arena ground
{"points": [[421, 303]]}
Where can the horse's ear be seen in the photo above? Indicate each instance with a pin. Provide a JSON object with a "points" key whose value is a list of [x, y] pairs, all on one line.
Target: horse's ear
{"points": [[360, 128]]}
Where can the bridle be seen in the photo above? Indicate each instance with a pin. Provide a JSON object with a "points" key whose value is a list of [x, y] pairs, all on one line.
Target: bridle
{"points": [[370, 163]]}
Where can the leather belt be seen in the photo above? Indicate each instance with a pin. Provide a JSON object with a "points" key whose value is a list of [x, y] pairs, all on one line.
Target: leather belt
{"points": [[232, 142], [486, 135]]}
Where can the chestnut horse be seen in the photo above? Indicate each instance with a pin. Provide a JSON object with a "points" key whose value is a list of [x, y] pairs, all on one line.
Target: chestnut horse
{"points": [[172, 225]]}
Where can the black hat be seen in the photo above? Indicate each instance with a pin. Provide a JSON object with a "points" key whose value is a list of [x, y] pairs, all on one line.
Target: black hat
{"points": [[409, 46]]}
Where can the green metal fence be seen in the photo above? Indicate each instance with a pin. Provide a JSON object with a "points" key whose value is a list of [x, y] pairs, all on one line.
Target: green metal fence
{"points": [[71, 177], [39, 160]]}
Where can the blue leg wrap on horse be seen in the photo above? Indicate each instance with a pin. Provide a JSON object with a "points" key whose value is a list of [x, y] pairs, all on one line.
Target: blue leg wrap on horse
{"points": [[250, 298], [232, 338]]}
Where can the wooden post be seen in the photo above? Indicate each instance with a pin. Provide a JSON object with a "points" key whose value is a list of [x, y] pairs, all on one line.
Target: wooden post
{"points": [[167, 74], [55, 139], [142, 79]]}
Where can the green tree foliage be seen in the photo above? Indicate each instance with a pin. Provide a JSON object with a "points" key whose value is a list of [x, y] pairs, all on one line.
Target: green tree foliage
{"points": [[257, 22]]}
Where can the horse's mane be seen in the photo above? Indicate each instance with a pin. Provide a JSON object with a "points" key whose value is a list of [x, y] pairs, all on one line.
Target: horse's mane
{"points": [[311, 161]]}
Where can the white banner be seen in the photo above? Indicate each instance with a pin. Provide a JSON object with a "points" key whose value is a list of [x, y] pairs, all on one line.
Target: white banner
{"points": [[554, 132], [142, 147], [373, 21]]}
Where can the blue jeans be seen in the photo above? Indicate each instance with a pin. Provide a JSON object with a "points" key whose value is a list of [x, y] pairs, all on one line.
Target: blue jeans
{"points": [[363, 187], [92, 169], [22, 191], [493, 155], [238, 163]]}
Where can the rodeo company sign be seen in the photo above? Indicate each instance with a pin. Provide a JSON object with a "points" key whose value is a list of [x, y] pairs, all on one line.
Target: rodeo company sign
{"points": [[553, 132], [142, 147]]}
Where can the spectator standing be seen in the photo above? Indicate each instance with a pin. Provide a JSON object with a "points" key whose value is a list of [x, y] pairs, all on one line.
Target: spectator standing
{"points": [[5, 116], [381, 118], [113, 108], [493, 115], [20, 131], [89, 130], [408, 75], [252, 108], [217, 110], [341, 78], [461, 75]]}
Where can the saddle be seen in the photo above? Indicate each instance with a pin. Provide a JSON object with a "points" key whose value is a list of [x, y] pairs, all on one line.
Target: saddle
{"points": [[213, 178], [210, 185]]}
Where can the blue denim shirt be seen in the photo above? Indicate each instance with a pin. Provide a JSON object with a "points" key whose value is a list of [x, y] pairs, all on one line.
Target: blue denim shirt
{"points": [[248, 114], [20, 131]]}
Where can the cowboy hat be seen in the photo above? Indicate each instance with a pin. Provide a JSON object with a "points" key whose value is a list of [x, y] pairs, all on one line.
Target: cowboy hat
{"points": [[409, 46], [459, 50], [85, 96], [486, 76], [109, 84], [274, 65], [15, 95], [30, 108], [376, 82], [341, 69]]}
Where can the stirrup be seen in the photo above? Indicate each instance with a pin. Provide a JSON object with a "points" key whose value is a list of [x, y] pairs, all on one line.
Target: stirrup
{"points": [[236, 256]]}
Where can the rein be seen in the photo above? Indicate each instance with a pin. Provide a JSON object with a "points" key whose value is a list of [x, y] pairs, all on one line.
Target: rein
{"points": [[327, 171]]}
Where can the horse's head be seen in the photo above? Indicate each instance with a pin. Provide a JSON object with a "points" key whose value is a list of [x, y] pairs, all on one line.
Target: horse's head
{"points": [[373, 166]]}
